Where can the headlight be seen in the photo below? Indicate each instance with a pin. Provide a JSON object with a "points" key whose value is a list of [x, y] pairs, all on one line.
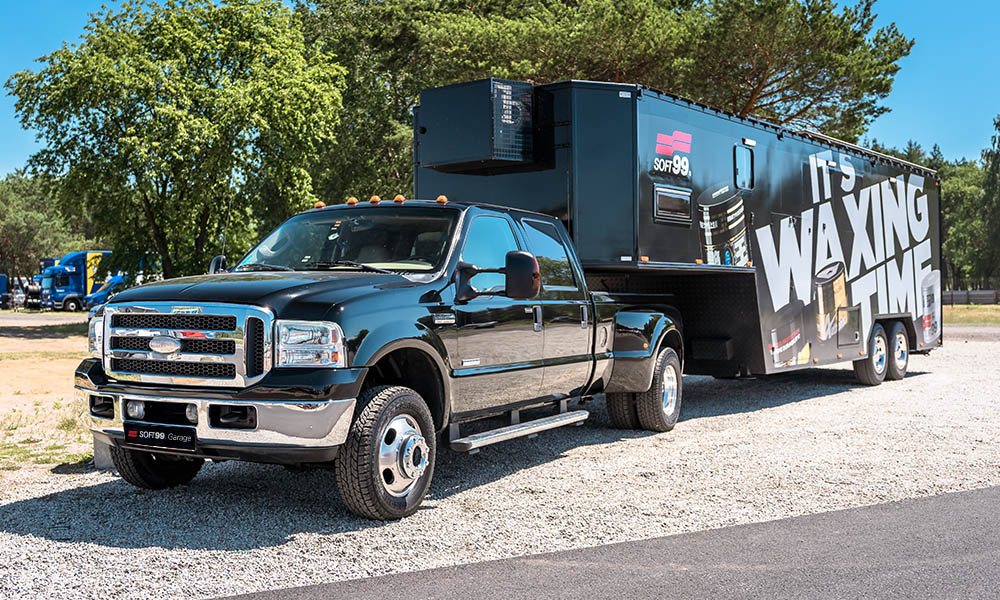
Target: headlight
{"points": [[310, 344], [95, 337]]}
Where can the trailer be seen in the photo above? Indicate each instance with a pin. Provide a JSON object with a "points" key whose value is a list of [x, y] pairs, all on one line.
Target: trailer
{"points": [[774, 249]]}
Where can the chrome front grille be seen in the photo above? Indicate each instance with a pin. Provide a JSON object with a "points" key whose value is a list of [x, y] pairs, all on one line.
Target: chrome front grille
{"points": [[206, 344]]}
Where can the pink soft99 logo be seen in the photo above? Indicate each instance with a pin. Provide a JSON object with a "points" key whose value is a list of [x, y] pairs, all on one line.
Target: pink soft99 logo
{"points": [[673, 145]]}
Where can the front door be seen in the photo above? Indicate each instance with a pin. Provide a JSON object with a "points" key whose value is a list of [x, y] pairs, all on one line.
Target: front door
{"points": [[499, 359], [565, 308]]}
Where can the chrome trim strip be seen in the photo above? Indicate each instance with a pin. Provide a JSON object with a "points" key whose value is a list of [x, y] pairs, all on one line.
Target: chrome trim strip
{"points": [[321, 424], [238, 359]]}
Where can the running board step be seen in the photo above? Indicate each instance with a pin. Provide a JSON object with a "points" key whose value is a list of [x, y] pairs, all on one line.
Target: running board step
{"points": [[528, 428]]}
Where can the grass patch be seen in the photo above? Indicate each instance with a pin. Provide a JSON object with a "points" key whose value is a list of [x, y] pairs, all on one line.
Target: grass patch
{"points": [[68, 424], [30, 441], [43, 355], [971, 314]]}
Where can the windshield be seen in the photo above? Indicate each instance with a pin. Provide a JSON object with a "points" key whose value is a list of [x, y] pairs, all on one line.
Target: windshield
{"points": [[400, 239], [46, 283]]}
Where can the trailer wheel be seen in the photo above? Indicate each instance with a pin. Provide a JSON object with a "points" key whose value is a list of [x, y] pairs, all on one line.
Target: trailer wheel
{"points": [[154, 471], [899, 352], [621, 409], [871, 370], [384, 469], [660, 407], [72, 305]]}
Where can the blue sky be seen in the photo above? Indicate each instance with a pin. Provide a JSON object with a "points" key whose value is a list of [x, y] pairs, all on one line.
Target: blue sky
{"points": [[948, 90]]}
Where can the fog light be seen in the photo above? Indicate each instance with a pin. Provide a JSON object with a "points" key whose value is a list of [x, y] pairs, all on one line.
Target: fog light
{"points": [[135, 409], [191, 412]]}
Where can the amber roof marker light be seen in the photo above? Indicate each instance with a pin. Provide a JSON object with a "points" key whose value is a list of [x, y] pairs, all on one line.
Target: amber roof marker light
{"points": [[352, 201], [399, 199], [375, 200], [442, 199], [319, 204]]}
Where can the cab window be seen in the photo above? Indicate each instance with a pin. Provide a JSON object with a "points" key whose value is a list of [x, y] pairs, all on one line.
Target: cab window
{"points": [[486, 246], [553, 260]]}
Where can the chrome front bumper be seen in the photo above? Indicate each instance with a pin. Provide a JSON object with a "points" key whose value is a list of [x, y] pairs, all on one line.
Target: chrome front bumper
{"points": [[282, 425]]}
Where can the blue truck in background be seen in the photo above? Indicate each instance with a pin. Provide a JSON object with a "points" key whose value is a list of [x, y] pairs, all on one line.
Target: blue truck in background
{"points": [[112, 286], [66, 284]]}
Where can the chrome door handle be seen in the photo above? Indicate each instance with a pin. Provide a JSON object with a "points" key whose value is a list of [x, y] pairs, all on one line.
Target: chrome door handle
{"points": [[537, 312], [583, 316]]}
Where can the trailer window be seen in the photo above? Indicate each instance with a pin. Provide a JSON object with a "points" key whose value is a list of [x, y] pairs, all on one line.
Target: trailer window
{"points": [[743, 167], [672, 204], [553, 260]]}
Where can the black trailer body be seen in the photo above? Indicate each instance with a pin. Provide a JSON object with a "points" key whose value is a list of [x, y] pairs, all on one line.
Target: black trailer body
{"points": [[775, 249]]}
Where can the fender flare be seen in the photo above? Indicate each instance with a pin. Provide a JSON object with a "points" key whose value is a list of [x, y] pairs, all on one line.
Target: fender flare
{"points": [[400, 335], [639, 337]]}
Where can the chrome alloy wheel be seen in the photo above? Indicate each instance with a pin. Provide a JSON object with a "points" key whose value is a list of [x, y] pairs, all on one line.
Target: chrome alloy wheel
{"points": [[669, 390], [879, 354], [402, 456], [901, 350]]}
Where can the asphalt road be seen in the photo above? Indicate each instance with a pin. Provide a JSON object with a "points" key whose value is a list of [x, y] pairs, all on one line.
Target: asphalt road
{"points": [[937, 547]]}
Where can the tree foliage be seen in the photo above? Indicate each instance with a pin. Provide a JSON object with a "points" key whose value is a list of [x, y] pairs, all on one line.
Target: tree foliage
{"points": [[801, 63], [175, 123], [31, 226]]}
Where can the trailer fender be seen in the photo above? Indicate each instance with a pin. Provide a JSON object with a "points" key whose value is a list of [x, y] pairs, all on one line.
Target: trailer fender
{"points": [[638, 338]]}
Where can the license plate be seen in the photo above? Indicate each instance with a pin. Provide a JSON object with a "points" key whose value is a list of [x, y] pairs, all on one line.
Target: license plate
{"points": [[160, 436]]}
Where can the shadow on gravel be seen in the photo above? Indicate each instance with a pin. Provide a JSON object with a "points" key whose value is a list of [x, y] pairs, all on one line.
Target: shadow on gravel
{"points": [[710, 397], [240, 506], [37, 332]]}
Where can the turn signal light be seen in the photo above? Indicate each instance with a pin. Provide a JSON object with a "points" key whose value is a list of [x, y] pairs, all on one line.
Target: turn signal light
{"points": [[442, 199], [643, 259], [698, 261]]}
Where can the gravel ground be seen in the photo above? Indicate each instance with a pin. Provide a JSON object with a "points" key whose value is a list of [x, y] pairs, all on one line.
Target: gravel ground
{"points": [[744, 451]]}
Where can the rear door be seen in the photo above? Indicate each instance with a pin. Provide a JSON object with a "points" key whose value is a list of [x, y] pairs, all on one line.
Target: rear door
{"points": [[499, 359], [566, 318]]}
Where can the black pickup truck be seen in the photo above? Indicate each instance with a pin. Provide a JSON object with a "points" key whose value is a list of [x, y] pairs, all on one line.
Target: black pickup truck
{"points": [[358, 337], [598, 238]]}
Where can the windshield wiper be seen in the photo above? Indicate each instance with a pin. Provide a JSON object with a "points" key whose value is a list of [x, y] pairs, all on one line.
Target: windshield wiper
{"points": [[346, 263], [262, 267]]}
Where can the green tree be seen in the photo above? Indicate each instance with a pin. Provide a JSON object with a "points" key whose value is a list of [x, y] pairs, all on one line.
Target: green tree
{"points": [[990, 208], [177, 123], [800, 63], [31, 226]]}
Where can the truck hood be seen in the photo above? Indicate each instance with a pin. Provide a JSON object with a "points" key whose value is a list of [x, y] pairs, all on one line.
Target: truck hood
{"points": [[314, 293]]}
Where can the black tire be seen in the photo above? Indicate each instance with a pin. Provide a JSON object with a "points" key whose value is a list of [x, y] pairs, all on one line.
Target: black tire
{"points": [[621, 409], [154, 471], [899, 352], [71, 305], [871, 369], [363, 484], [656, 411]]}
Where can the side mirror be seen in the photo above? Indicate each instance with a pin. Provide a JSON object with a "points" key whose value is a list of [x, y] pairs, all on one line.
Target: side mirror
{"points": [[523, 279], [217, 265]]}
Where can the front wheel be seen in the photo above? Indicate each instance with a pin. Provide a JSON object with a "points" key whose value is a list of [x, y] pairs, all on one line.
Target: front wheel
{"points": [[871, 370], [660, 407], [385, 467], [154, 471], [72, 305]]}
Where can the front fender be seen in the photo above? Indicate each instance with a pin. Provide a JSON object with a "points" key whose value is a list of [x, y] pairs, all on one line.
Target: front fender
{"points": [[638, 337], [397, 335]]}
